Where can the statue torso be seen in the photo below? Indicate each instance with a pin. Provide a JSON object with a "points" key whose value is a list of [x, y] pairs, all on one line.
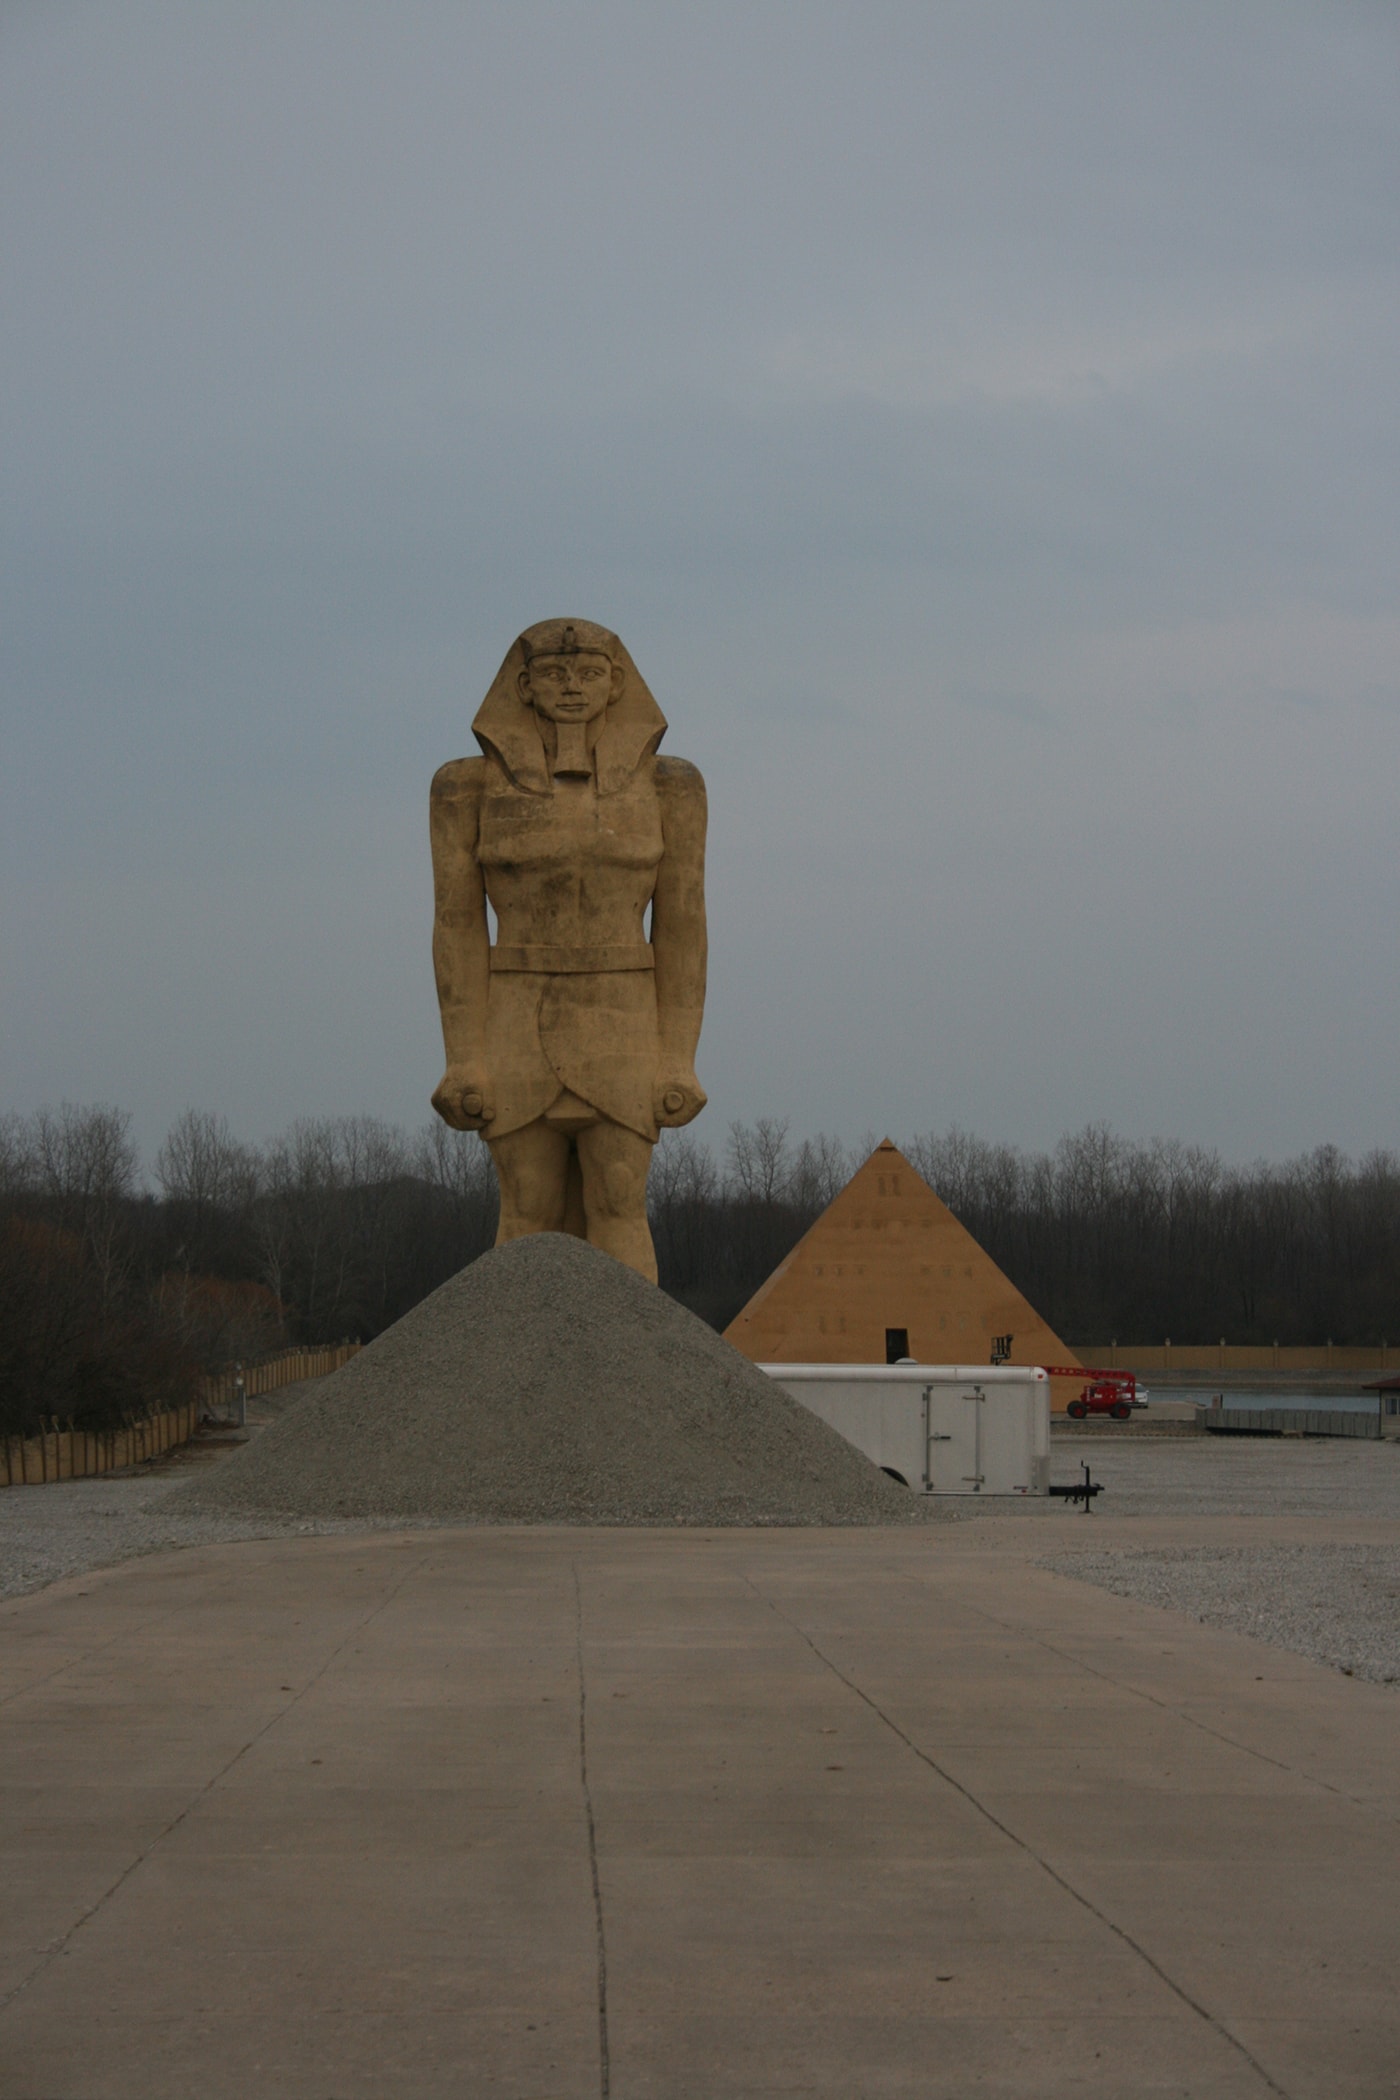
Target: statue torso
{"points": [[571, 868]]}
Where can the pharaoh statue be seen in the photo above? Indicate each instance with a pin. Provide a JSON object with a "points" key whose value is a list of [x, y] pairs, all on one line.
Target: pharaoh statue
{"points": [[571, 1038]]}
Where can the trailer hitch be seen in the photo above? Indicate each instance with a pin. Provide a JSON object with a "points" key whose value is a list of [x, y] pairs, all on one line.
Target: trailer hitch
{"points": [[1079, 1490]]}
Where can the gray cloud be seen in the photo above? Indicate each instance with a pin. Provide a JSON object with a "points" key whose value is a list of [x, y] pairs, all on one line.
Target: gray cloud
{"points": [[980, 422]]}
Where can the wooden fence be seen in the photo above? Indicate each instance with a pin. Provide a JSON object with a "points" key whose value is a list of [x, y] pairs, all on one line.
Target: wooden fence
{"points": [[1234, 1356], [75, 1454], [287, 1367]]}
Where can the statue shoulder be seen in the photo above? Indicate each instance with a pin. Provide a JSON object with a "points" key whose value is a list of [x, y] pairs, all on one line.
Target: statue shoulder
{"points": [[679, 780], [460, 780]]}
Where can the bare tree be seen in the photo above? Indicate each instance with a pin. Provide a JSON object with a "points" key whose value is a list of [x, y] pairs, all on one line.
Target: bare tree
{"points": [[210, 1183], [17, 1166], [458, 1163], [201, 1163], [760, 1159], [820, 1172], [344, 1223], [84, 1166], [79, 1338]]}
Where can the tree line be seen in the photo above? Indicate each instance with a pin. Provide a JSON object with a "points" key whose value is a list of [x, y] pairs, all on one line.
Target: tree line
{"points": [[117, 1291], [116, 1295], [1109, 1239]]}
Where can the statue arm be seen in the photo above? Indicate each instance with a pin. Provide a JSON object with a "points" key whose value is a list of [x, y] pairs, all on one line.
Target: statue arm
{"points": [[461, 944], [679, 939]]}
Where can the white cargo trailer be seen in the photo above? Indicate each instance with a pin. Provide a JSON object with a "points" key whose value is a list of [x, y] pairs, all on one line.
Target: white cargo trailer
{"points": [[940, 1429]]}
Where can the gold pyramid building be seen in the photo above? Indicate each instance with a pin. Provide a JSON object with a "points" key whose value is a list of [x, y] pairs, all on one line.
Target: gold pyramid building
{"points": [[887, 1271]]}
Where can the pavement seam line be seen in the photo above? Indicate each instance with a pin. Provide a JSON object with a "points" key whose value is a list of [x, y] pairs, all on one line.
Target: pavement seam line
{"points": [[76, 1662], [1166, 1706], [59, 1946], [1178, 1990], [604, 2058]]}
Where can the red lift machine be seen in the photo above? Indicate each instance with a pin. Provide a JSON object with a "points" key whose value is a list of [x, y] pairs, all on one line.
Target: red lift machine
{"points": [[1112, 1393]]}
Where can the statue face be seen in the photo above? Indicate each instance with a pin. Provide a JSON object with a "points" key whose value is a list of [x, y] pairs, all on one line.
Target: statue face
{"points": [[574, 688]]}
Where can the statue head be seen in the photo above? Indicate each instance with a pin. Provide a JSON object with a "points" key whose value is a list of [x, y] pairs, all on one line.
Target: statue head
{"points": [[571, 673], [575, 676]]}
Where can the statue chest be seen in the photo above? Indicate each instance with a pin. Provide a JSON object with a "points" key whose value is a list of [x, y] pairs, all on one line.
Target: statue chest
{"points": [[571, 829]]}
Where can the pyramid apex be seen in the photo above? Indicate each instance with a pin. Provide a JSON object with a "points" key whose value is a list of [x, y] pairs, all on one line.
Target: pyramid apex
{"points": [[887, 1261]]}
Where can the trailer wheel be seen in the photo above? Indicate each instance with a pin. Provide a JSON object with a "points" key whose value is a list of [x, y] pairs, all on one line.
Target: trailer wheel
{"points": [[1078, 1409]]}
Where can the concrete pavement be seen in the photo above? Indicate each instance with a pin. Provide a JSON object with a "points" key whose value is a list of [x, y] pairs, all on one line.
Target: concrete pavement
{"points": [[651, 1814]]}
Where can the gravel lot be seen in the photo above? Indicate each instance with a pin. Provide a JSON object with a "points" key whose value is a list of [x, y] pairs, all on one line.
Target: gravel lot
{"points": [[71, 1526], [1336, 1602], [1217, 1476]]}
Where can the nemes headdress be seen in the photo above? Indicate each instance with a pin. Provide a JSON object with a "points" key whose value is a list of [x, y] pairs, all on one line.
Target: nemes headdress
{"points": [[507, 728]]}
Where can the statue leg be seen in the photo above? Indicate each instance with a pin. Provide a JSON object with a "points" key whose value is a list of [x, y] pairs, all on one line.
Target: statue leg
{"points": [[614, 1163], [575, 1217], [532, 1166]]}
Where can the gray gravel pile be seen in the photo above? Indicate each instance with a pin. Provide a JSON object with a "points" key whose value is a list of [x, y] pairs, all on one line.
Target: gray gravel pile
{"points": [[1335, 1603], [548, 1384]]}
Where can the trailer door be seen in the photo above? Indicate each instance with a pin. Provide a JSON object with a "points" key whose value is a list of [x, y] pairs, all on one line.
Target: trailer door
{"points": [[952, 1435]]}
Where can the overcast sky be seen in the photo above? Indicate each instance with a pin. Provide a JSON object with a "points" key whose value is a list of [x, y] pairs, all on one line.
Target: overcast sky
{"points": [[979, 420]]}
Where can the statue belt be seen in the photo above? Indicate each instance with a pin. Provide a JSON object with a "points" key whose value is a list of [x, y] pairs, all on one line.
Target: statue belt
{"points": [[569, 961]]}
